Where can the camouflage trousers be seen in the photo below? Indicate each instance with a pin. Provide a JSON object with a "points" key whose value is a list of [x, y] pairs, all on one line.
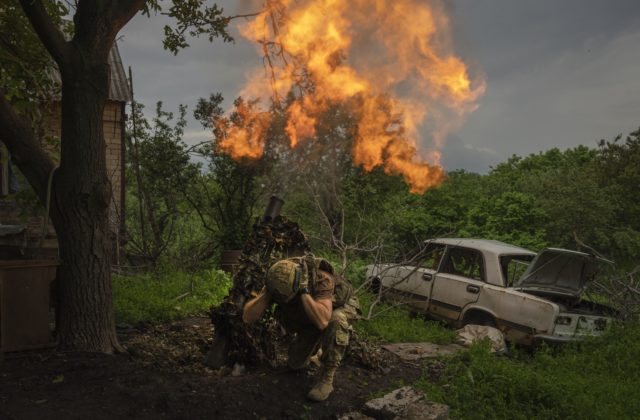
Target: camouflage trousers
{"points": [[333, 340]]}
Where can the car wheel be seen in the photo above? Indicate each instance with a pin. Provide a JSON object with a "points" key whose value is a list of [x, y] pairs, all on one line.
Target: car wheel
{"points": [[480, 318], [374, 286]]}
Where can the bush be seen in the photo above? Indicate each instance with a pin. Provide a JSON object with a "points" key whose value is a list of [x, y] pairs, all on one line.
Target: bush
{"points": [[161, 297]]}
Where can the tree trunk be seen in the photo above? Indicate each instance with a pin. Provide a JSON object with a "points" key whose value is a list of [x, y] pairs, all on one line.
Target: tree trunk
{"points": [[80, 210], [81, 192]]}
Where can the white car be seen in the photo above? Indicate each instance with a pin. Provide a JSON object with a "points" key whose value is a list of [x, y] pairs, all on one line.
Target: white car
{"points": [[528, 296]]}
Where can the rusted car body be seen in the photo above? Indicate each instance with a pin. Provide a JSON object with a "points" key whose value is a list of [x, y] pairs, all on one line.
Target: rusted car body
{"points": [[528, 296]]}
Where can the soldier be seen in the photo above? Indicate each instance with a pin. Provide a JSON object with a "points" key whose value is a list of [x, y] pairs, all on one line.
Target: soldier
{"points": [[315, 304]]}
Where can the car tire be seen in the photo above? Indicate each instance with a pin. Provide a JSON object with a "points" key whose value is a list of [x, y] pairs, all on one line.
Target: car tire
{"points": [[374, 285], [480, 318]]}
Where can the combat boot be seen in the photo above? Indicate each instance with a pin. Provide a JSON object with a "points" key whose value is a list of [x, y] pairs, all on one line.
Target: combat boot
{"points": [[324, 387]]}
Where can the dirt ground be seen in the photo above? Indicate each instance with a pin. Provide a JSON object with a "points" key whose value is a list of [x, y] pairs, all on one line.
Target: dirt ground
{"points": [[162, 377]]}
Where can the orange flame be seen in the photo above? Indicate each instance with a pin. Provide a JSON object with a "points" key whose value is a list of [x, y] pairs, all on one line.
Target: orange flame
{"points": [[244, 139], [391, 59]]}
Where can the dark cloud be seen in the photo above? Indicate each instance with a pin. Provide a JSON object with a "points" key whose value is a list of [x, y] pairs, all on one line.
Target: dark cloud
{"points": [[457, 154], [559, 73], [508, 36]]}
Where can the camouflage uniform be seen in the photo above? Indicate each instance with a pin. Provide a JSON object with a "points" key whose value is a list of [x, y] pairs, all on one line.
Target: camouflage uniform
{"points": [[333, 340]]}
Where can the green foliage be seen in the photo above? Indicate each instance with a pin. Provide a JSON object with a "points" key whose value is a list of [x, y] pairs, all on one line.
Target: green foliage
{"points": [[591, 380], [159, 171], [355, 272], [617, 168], [226, 196], [564, 191], [27, 68], [161, 297], [512, 217], [193, 18], [446, 207]]}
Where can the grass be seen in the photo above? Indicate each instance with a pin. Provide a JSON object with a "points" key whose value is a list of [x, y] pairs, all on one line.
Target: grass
{"points": [[394, 324], [595, 379], [161, 297]]}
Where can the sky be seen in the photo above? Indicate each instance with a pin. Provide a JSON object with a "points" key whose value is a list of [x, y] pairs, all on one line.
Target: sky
{"points": [[559, 74]]}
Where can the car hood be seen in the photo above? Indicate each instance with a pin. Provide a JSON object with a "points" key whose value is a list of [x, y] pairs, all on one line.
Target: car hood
{"points": [[561, 271]]}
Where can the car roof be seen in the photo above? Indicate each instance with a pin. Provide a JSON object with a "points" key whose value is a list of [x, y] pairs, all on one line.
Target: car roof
{"points": [[487, 245]]}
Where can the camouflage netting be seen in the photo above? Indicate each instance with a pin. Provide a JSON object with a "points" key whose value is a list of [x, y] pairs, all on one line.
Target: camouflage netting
{"points": [[235, 341], [365, 354], [264, 341]]}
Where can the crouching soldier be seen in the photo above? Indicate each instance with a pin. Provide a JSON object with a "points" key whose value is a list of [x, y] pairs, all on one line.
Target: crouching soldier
{"points": [[314, 303]]}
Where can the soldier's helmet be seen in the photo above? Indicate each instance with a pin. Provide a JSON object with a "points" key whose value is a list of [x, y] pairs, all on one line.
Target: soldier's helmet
{"points": [[283, 280]]}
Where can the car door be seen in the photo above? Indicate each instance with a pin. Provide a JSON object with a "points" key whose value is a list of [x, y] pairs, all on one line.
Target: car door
{"points": [[458, 282], [411, 284], [424, 274]]}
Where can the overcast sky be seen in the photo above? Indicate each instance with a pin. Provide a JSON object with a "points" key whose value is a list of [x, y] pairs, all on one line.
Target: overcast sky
{"points": [[559, 74]]}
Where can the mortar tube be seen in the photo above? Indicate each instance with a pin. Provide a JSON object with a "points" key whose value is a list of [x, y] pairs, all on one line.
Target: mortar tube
{"points": [[273, 209]]}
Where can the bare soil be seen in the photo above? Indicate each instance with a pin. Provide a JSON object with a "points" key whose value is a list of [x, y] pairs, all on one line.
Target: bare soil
{"points": [[162, 377]]}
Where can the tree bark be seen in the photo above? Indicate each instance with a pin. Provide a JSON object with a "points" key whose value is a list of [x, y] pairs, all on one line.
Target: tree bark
{"points": [[80, 209], [81, 191]]}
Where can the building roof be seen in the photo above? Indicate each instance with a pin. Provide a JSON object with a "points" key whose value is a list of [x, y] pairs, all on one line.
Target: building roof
{"points": [[119, 89]]}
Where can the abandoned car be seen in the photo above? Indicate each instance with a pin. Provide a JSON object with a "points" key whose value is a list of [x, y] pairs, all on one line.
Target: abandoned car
{"points": [[530, 297]]}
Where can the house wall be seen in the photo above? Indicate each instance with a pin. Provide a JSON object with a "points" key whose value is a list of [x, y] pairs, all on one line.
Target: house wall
{"points": [[113, 134], [113, 123]]}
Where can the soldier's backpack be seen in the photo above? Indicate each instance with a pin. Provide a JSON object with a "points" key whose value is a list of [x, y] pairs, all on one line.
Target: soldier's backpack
{"points": [[342, 289]]}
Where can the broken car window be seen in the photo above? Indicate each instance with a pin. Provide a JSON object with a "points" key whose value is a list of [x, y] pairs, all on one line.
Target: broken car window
{"points": [[433, 254], [464, 262], [513, 267]]}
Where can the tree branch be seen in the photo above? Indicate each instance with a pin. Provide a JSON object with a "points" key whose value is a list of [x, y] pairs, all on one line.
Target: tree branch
{"points": [[124, 10], [16, 133], [49, 35]]}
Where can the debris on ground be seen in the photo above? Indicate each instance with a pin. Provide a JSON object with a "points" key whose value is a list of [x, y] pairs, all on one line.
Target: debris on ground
{"points": [[365, 354], [176, 347], [417, 351], [355, 415], [471, 334], [405, 403]]}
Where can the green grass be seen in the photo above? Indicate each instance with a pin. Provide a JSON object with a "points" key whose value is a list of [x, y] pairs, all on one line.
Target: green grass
{"points": [[595, 379], [152, 297], [395, 325]]}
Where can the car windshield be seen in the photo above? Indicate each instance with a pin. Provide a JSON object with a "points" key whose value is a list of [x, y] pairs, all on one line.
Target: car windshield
{"points": [[513, 267]]}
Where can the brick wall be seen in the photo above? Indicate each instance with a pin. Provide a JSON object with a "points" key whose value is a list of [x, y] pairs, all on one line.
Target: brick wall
{"points": [[112, 129]]}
